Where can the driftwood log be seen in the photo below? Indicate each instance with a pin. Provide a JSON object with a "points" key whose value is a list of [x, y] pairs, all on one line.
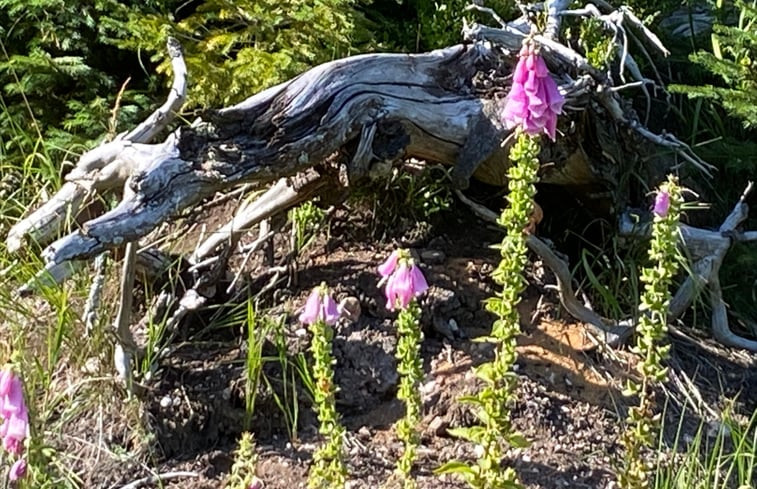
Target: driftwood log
{"points": [[345, 122]]}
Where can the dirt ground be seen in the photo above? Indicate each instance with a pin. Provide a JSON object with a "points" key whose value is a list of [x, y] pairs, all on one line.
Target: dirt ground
{"points": [[569, 403]]}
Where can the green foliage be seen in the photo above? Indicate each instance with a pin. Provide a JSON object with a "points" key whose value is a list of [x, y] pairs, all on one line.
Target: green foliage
{"points": [[723, 458], [306, 220], [422, 25], [734, 61], [234, 49], [651, 331], [59, 78], [242, 474], [596, 42]]}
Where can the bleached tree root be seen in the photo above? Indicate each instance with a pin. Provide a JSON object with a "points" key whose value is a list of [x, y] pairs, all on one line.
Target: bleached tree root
{"points": [[102, 169], [708, 250], [284, 194], [612, 334]]}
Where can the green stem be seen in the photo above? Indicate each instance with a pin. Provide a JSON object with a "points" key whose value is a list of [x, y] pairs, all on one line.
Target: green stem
{"points": [[651, 332], [328, 469], [410, 368]]}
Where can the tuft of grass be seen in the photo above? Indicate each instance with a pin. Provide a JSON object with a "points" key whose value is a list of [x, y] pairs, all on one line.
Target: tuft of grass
{"points": [[306, 220], [723, 458]]}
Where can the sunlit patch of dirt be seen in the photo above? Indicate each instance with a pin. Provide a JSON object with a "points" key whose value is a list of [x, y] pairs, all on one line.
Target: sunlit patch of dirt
{"points": [[559, 354]]}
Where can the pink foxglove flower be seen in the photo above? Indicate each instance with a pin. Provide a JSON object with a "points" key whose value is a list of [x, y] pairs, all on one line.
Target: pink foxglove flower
{"points": [[320, 306], [662, 203], [386, 268], [18, 470], [404, 283], [534, 102], [13, 412]]}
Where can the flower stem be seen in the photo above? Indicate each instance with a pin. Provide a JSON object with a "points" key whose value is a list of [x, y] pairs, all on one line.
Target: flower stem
{"points": [[328, 469], [410, 368], [651, 332]]}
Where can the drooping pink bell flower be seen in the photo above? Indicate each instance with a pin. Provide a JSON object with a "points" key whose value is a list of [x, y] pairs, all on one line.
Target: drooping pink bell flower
{"points": [[320, 306], [13, 432], [404, 281], [386, 268], [18, 470], [534, 102], [661, 203], [13, 412]]}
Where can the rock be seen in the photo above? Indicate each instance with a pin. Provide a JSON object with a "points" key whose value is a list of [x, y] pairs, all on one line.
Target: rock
{"points": [[433, 257], [349, 308]]}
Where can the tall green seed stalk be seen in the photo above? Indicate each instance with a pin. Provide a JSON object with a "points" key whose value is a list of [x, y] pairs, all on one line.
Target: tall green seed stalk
{"points": [[328, 469], [493, 402], [410, 368], [651, 331]]}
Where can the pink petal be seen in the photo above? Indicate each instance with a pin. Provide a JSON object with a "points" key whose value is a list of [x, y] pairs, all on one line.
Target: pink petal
{"points": [[391, 292], [18, 470], [329, 310], [14, 400], [539, 66], [5, 382], [386, 268], [551, 125], [521, 72], [418, 280], [662, 203], [537, 101], [17, 427], [532, 126], [312, 307], [403, 287], [554, 97], [532, 83]]}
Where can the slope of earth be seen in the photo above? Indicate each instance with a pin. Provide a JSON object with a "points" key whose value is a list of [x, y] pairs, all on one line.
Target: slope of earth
{"points": [[568, 402]]}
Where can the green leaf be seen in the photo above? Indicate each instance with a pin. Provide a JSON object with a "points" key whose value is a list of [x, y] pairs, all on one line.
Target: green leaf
{"points": [[455, 467], [473, 434]]}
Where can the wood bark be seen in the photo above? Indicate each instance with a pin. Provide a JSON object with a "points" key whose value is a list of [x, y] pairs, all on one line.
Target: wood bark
{"points": [[348, 115]]}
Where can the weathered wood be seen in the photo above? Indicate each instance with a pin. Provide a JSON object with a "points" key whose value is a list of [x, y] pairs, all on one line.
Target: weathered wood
{"points": [[103, 168], [353, 112]]}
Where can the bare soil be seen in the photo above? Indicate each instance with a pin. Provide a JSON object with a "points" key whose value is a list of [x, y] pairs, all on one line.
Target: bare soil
{"points": [[569, 403]]}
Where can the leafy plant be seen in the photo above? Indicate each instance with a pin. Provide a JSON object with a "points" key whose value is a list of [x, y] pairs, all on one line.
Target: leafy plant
{"points": [[404, 282], [242, 474], [306, 220], [493, 401], [733, 59], [651, 330], [234, 49], [320, 314]]}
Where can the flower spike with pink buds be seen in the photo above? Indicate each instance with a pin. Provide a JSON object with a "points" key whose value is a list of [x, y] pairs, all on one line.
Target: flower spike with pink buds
{"points": [[534, 102]]}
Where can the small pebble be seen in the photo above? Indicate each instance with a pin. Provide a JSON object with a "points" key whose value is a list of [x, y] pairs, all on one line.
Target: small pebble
{"points": [[165, 401], [433, 257]]}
